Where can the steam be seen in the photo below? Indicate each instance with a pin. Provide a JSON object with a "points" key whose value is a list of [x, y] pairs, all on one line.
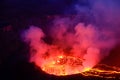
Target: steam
{"points": [[102, 13], [85, 42], [91, 42]]}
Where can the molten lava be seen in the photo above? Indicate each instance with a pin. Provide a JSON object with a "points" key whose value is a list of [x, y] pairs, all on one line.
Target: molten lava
{"points": [[103, 71], [68, 65], [63, 65]]}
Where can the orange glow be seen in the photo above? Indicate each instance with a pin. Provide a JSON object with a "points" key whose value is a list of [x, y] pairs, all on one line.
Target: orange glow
{"points": [[63, 65], [112, 73], [69, 52], [67, 65], [86, 69]]}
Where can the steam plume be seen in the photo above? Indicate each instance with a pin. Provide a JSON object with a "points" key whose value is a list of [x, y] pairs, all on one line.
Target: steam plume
{"points": [[91, 41], [86, 42]]}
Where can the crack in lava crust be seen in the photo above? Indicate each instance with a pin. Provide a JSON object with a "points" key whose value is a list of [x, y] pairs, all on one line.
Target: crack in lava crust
{"points": [[63, 65]]}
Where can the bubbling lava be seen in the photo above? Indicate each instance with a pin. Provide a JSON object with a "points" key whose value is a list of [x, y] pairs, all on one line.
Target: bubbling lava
{"points": [[64, 65]]}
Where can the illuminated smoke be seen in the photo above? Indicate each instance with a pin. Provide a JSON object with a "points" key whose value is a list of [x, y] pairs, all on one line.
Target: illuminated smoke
{"points": [[90, 42], [86, 42]]}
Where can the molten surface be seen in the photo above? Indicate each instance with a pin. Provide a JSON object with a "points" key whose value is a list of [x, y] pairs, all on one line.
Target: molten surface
{"points": [[103, 71], [63, 65], [69, 65]]}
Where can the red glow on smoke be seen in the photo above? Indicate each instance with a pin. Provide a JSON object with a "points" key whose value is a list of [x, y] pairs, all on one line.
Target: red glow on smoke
{"points": [[70, 52]]}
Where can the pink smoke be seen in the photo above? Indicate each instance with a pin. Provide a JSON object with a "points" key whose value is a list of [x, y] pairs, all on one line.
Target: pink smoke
{"points": [[87, 42]]}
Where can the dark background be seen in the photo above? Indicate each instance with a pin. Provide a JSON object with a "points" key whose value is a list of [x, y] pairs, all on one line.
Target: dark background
{"points": [[17, 15]]}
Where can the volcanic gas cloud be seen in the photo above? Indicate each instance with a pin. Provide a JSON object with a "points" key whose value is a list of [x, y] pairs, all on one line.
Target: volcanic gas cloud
{"points": [[72, 49]]}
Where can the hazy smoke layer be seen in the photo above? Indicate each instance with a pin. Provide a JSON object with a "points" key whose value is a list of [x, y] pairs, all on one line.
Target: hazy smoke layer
{"points": [[86, 42], [72, 36]]}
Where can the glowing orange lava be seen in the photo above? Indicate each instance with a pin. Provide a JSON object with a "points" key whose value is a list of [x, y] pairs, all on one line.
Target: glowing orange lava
{"points": [[67, 65], [103, 71], [64, 65]]}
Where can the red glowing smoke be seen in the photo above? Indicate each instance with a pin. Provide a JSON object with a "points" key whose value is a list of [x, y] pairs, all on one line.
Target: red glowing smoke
{"points": [[86, 42]]}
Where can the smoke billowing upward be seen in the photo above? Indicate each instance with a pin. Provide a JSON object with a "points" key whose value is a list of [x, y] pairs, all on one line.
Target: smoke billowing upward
{"points": [[72, 36], [86, 42], [103, 13]]}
